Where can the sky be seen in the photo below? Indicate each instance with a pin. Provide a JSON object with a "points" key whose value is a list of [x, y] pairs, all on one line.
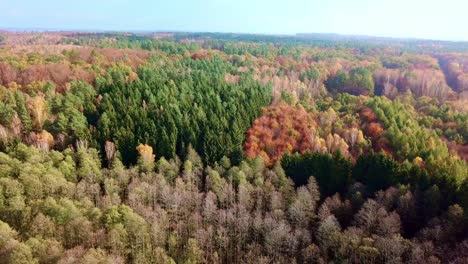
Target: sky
{"points": [[428, 19]]}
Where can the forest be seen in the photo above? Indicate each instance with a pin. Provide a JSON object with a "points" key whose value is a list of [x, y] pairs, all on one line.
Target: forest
{"points": [[232, 148]]}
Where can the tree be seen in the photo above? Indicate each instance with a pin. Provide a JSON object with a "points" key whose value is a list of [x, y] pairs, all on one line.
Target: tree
{"points": [[22, 254], [361, 79], [109, 148], [331, 172], [338, 82], [146, 159], [358, 81], [329, 237], [376, 171]]}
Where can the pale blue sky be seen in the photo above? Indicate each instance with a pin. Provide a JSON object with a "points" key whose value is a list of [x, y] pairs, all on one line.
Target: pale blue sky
{"points": [[446, 19]]}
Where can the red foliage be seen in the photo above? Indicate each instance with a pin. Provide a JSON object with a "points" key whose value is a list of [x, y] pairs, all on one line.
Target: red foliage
{"points": [[281, 129], [374, 130]]}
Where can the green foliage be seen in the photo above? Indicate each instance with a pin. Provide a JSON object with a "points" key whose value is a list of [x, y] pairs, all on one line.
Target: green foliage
{"points": [[311, 74], [332, 172], [410, 140], [376, 171], [72, 110], [358, 81], [361, 78], [338, 82], [6, 114], [171, 109], [191, 97]]}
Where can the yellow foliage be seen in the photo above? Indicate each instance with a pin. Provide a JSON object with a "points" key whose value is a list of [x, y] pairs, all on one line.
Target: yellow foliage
{"points": [[146, 152], [43, 140], [14, 86], [418, 161], [35, 86], [38, 109]]}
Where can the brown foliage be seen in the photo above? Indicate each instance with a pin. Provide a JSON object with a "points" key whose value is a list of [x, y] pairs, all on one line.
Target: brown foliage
{"points": [[131, 57], [3, 134], [109, 148], [201, 55], [387, 80], [461, 150], [231, 79], [428, 82], [367, 115], [455, 67], [74, 63], [58, 73], [7, 74], [42, 140]]}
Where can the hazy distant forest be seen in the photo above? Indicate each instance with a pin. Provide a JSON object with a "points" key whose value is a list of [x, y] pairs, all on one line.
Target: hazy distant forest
{"points": [[227, 148]]}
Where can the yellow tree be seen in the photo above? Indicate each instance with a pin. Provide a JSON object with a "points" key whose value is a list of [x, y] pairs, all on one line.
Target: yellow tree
{"points": [[38, 108], [146, 159]]}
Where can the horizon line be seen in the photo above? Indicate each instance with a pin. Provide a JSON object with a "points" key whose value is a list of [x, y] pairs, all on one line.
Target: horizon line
{"points": [[149, 31]]}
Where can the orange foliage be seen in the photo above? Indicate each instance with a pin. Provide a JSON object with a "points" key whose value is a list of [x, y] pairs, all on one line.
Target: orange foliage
{"points": [[282, 129], [336, 143], [374, 130], [146, 153], [286, 129]]}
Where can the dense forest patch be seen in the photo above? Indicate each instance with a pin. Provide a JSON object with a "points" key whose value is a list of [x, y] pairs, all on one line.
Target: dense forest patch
{"points": [[231, 148]]}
